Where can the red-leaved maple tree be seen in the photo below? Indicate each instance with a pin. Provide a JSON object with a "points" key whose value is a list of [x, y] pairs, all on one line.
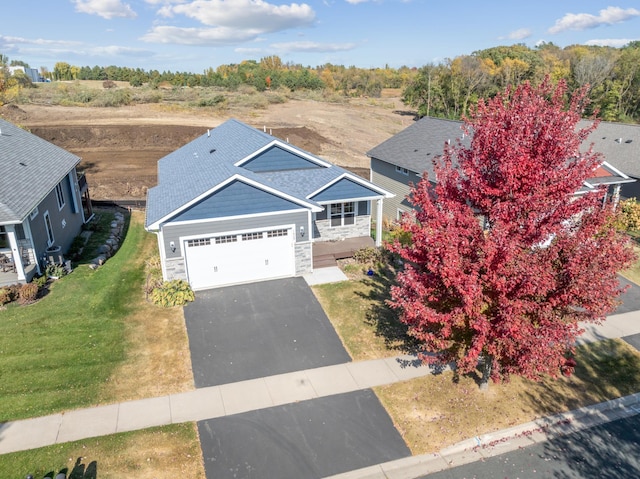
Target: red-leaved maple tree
{"points": [[505, 258]]}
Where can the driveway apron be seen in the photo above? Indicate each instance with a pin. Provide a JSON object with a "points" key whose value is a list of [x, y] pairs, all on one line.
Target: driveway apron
{"points": [[259, 329], [304, 440]]}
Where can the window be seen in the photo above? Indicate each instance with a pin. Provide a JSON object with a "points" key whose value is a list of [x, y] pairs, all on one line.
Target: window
{"points": [[48, 227], [343, 214], [60, 196], [199, 242], [276, 233], [226, 239], [251, 236], [4, 238], [401, 170]]}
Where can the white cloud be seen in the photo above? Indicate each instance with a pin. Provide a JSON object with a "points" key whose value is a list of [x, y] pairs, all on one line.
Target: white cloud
{"points": [[355, 2], [13, 41], [583, 21], [316, 47], [105, 8], [520, 34], [116, 50], [57, 48], [245, 14], [198, 36], [611, 42], [226, 22], [248, 50]]}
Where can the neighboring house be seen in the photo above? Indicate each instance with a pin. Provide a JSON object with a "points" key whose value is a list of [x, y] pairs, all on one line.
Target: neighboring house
{"points": [[43, 202], [402, 159], [237, 205]]}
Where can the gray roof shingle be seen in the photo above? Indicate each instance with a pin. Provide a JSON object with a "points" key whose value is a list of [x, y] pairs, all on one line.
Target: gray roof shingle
{"points": [[209, 160], [30, 168], [415, 147]]}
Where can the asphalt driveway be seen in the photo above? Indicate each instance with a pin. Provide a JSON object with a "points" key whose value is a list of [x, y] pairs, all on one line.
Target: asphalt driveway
{"points": [[308, 439], [257, 330]]}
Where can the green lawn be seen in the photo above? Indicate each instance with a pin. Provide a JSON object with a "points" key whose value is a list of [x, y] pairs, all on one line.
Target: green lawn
{"points": [[57, 354], [169, 451]]}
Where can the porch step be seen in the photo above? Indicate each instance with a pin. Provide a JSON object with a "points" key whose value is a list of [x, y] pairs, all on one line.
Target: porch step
{"points": [[324, 261]]}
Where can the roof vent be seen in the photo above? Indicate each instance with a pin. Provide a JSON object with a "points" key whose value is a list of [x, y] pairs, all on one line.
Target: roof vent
{"points": [[212, 150], [628, 141], [208, 132], [22, 163], [618, 140]]}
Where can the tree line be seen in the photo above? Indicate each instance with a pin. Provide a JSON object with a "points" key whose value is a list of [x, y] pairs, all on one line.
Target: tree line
{"points": [[448, 89], [451, 88]]}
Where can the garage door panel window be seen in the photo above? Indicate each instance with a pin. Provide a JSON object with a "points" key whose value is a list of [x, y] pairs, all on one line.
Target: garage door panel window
{"points": [[226, 239], [199, 242], [277, 233], [251, 236], [343, 214]]}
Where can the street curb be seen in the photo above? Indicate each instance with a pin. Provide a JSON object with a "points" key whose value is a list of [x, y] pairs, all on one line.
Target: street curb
{"points": [[506, 440]]}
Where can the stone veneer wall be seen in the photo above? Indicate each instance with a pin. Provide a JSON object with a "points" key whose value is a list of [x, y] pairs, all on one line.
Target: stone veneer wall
{"points": [[175, 269], [323, 230], [304, 258]]}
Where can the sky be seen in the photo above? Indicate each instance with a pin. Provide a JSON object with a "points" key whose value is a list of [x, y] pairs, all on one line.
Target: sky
{"points": [[193, 35]]}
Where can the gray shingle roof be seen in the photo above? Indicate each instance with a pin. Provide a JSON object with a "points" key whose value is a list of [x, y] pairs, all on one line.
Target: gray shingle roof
{"points": [[620, 145], [209, 160], [30, 168], [416, 146]]}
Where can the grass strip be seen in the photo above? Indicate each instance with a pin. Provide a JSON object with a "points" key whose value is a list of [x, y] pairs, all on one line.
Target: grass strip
{"points": [[162, 452]]}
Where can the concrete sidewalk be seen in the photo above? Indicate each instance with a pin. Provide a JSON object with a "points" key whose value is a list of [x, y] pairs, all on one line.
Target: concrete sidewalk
{"points": [[207, 403], [234, 398]]}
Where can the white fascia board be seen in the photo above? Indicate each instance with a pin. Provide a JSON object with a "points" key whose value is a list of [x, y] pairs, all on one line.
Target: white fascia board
{"points": [[356, 179], [286, 146], [609, 166], [235, 217], [210, 191]]}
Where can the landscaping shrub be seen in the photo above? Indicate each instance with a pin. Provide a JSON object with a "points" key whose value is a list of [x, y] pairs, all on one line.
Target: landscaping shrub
{"points": [[28, 293], [629, 215], [40, 281], [4, 296], [153, 268], [368, 255], [172, 293], [55, 270]]}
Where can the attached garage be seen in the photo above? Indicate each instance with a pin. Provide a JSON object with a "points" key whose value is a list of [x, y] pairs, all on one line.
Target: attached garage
{"points": [[233, 258]]}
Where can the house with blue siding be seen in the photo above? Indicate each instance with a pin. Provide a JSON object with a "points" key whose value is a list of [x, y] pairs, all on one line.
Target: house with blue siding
{"points": [[238, 205], [43, 203]]}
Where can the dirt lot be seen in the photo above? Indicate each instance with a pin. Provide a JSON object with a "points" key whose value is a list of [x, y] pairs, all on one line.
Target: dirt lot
{"points": [[119, 147]]}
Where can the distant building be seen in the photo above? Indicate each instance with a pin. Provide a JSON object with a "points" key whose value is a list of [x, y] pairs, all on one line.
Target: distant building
{"points": [[32, 73]]}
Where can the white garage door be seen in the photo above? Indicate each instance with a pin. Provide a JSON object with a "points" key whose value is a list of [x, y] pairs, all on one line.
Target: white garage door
{"points": [[222, 260]]}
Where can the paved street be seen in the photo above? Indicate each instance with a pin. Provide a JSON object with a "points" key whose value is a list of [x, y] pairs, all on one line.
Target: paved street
{"points": [[608, 451]]}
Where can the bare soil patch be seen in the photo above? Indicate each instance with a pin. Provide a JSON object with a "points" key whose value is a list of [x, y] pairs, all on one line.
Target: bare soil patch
{"points": [[120, 147]]}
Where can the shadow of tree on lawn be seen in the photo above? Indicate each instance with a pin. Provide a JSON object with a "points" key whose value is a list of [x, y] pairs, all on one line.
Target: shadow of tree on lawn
{"points": [[385, 320], [605, 370]]}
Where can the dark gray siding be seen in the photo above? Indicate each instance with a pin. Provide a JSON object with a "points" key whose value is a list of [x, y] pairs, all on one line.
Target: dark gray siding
{"points": [[173, 232], [63, 235], [630, 190], [384, 175]]}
